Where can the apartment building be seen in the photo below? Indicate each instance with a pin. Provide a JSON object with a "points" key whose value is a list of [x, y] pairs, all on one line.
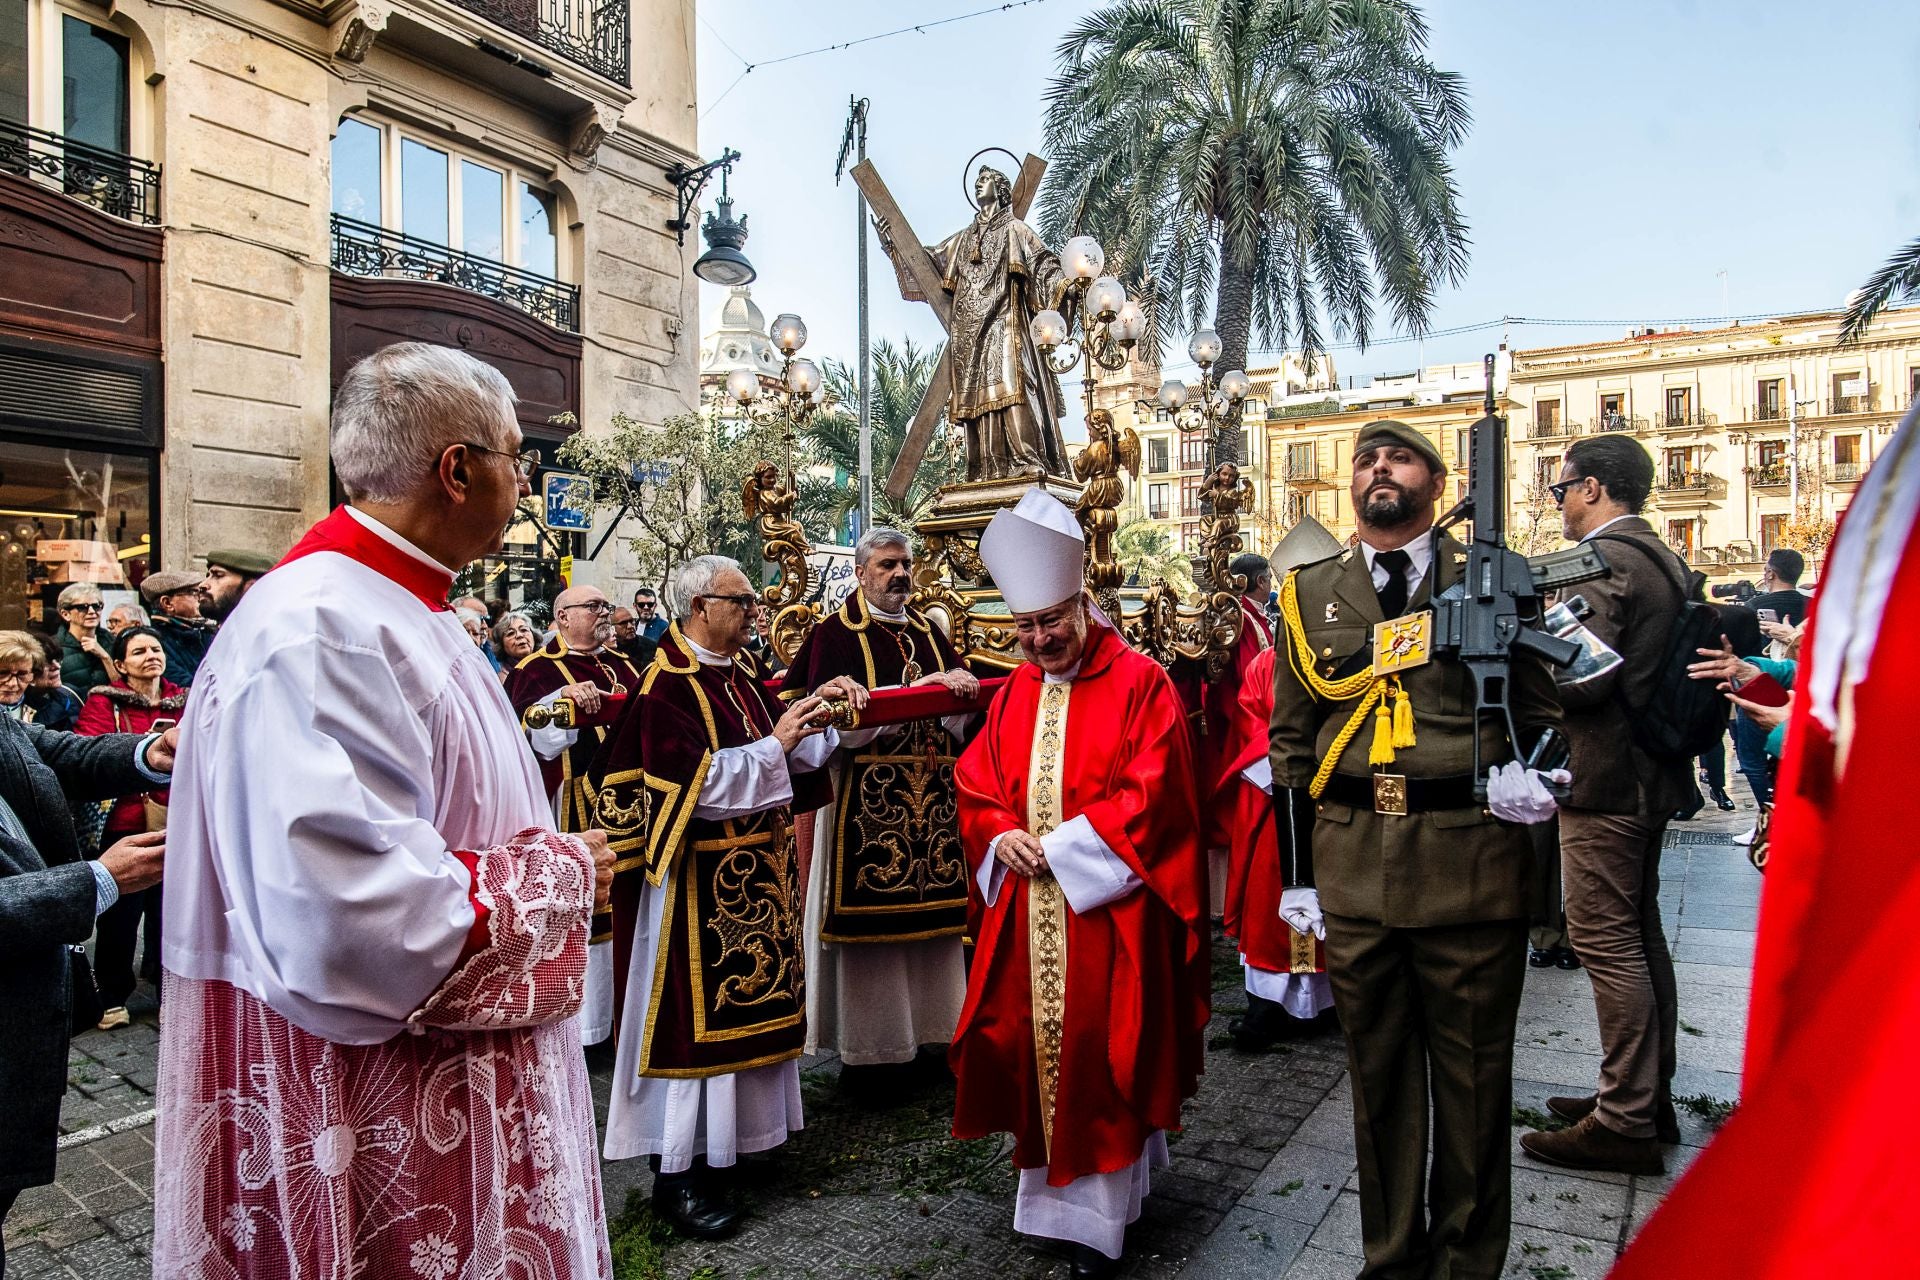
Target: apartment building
{"points": [[207, 212]]}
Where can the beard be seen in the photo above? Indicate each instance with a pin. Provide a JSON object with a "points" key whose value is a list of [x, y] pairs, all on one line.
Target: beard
{"points": [[1388, 512]]}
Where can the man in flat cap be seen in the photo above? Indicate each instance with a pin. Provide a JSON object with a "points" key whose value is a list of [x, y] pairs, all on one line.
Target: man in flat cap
{"points": [[174, 600], [230, 574], [1087, 993], [1424, 887]]}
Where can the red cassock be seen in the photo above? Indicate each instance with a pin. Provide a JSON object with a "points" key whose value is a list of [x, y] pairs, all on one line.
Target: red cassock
{"points": [[1136, 969], [1815, 1174], [1229, 733], [1254, 881]]}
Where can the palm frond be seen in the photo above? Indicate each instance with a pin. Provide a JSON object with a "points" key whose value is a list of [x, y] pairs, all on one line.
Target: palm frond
{"points": [[1896, 280]]}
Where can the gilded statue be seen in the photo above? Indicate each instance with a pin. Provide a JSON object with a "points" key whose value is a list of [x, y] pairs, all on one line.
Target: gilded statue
{"points": [[999, 275]]}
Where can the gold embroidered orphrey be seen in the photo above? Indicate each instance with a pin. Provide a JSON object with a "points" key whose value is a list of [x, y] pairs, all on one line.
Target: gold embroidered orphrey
{"points": [[906, 841], [1046, 905]]}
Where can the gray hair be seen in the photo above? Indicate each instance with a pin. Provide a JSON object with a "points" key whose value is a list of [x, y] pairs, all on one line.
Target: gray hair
{"points": [[507, 619], [136, 615], [400, 408], [693, 579], [77, 593], [875, 538]]}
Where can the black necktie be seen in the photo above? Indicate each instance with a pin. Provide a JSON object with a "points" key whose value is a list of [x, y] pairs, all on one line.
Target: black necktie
{"points": [[1393, 596]]}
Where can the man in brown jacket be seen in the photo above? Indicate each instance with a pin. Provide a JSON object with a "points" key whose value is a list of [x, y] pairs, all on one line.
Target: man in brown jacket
{"points": [[1425, 887], [1612, 824]]}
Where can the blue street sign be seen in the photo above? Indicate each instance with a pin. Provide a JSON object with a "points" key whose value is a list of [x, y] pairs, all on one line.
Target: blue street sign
{"points": [[568, 498], [649, 473]]}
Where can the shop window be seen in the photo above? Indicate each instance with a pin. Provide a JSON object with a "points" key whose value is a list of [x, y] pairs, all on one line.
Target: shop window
{"points": [[71, 515]]}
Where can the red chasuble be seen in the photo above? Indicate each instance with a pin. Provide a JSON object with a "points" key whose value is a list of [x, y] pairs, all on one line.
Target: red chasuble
{"points": [[1128, 982], [1254, 880], [893, 854], [729, 989], [1228, 733]]}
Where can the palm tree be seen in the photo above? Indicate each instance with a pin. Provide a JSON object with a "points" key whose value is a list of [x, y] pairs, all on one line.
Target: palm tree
{"points": [[1896, 281], [1293, 153], [900, 377], [1146, 551]]}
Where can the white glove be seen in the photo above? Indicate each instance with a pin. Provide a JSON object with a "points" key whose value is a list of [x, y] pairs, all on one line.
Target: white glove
{"points": [[1300, 908], [1516, 793]]}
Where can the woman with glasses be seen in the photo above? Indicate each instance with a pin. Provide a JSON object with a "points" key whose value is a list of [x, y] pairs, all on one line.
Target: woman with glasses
{"points": [[84, 661], [20, 659]]}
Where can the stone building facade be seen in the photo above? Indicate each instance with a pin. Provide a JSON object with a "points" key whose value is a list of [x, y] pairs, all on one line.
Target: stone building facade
{"points": [[208, 211]]}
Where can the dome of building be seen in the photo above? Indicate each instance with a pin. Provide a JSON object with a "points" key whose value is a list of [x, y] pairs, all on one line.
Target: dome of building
{"points": [[739, 341]]}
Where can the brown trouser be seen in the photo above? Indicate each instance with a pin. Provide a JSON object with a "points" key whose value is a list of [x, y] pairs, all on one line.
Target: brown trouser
{"points": [[1437, 1003], [1611, 865]]}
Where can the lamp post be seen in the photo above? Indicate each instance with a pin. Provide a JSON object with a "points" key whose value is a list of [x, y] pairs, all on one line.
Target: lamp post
{"points": [[1097, 328]]}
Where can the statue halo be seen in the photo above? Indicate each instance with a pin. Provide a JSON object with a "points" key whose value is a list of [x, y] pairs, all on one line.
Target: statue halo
{"points": [[968, 176]]}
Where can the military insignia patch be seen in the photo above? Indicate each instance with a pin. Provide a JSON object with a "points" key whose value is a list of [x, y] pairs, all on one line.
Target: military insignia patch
{"points": [[1333, 611], [1402, 643]]}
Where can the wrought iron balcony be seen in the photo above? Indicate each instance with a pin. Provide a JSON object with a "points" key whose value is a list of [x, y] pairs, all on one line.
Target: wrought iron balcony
{"points": [[1868, 403], [1844, 472], [1693, 418], [112, 183], [589, 33], [1682, 482], [363, 249], [1768, 413], [1771, 476], [1553, 430], [1620, 422]]}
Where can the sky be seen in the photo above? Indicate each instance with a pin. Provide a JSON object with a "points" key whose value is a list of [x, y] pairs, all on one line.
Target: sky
{"points": [[1622, 156]]}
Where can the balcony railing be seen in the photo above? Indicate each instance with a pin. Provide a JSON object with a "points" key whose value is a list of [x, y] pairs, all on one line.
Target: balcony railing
{"points": [[112, 183], [1684, 481], [1768, 413], [1552, 430], [1304, 476], [1844, 472], [1771, 476], [362, 249], [1868, 403], [1620, 422], [1156, 511], [590, 33], [1692, 418]]}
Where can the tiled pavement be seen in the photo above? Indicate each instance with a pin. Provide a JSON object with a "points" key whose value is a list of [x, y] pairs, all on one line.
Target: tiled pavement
{"points": [[1262, 1182]]}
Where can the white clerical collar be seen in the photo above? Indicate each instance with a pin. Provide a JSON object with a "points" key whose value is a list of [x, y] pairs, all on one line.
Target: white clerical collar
{"points": [[708, 658], [1419, 551], [1065, 677], [394, 540], [1594, 533], [875, 611]]}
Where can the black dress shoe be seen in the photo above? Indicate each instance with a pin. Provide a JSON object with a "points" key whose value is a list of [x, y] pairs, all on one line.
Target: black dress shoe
{"points": [[693, 1212], [1686, 813], [1722, 799], [1091, 1264], [1563, 958], [1542, 957]]}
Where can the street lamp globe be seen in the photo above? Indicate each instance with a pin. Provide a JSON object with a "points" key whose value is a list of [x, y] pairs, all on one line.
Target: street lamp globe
{"points": [[743, 386], [1129, 322], [1173, 394], [788, 332], [1083, 258], [1049, 329], [803, 377], [1105, 298], [1236, 384], [1204, 347]]}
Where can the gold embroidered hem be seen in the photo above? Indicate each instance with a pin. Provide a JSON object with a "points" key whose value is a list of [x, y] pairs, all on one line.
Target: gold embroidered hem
{"points": [[1046, 904]]}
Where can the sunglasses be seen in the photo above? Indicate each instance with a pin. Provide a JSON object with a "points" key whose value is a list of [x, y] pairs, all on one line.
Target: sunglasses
{"points": [[1559, 490]]}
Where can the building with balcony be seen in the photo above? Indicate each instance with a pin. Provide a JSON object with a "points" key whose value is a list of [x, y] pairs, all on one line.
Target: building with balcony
{"points": [[1745, 424], [1173, 460], [207, 214]]}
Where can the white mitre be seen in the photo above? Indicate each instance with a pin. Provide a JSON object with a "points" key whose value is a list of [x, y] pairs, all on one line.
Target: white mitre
{"points": [[1035, 552]]}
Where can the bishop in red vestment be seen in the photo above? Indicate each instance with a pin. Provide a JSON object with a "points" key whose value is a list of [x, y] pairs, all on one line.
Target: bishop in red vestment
{"points": [[1087, 996], [581, 668]]}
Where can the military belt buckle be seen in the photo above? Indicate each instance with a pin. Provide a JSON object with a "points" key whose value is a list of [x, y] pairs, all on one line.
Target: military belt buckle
{"points": [[1390, 793]]}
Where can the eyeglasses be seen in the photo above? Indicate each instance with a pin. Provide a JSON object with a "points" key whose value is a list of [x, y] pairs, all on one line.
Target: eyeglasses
{"points": [[525, 462], [16, 677], [746, 600], [596, 606], [1559, 491]]}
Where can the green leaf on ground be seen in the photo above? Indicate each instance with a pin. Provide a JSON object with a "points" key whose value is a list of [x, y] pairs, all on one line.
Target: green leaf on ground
{"points": [[1530, 1118], [1289, 1189], [1709, 1108]]}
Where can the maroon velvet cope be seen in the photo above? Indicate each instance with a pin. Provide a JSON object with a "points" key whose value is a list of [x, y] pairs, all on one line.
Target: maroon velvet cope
{"points": [[1137, 973], [893, 858], [729, 989]]}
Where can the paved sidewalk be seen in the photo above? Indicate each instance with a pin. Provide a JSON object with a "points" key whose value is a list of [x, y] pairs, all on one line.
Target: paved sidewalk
{"points": [[1262, 1182]]}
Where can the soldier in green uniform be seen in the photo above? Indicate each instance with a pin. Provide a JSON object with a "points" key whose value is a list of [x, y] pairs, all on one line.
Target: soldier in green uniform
{"points": [[1418, 890]]}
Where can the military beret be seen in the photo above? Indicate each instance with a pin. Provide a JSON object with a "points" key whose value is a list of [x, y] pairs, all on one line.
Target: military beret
{"points": [[252, 563], [1388, 430], [155, 585]]}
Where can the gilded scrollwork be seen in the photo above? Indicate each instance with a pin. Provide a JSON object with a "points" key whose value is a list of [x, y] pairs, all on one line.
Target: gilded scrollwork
{"points": [[754, 919]]}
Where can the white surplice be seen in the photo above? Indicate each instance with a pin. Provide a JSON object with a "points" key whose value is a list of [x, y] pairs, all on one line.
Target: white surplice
{"points": [[360, 1072], [717, 1116]]}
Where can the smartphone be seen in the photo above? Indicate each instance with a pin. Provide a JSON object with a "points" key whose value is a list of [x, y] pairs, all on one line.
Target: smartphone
{"points": [[1767, 615], [161, 724], [1765, 690]]}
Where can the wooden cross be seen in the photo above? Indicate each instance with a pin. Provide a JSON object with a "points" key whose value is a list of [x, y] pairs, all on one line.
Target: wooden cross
{"points": [[919, 266]]}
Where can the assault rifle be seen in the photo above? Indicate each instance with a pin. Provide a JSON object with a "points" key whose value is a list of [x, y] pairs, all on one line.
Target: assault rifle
{"points": [[1495, 609]]}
